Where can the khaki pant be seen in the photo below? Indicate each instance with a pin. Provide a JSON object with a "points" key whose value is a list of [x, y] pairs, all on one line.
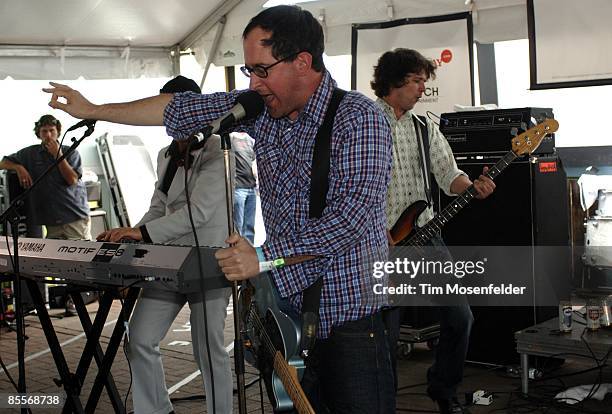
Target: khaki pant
{"points": [[77, 230]]}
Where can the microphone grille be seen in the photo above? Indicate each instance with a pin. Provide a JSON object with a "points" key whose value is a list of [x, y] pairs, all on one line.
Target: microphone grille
{"points": [[252, 103]]}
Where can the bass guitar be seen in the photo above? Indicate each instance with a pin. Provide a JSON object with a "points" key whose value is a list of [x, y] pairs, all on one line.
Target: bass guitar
{"points": [[272, 345], [405, 231]]}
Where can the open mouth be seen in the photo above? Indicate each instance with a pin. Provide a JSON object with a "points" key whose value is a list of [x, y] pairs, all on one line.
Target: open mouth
{"points": [[267, 98]]}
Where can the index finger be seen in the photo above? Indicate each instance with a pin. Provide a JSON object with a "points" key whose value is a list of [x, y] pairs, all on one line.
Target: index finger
{"points": [[55, 86]]}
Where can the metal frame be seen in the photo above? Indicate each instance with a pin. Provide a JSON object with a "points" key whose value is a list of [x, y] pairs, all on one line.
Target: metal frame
{"points": [[106, 160]]}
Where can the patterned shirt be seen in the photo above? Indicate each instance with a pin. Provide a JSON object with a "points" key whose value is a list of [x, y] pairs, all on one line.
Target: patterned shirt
{"points": [[407, 184], [351, 233]]}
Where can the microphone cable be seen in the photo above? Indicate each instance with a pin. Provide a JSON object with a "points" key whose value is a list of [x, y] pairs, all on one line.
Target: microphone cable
{"points": [[186, 167], [60, 144], [126, 340], [431, 115], [90, 125]]}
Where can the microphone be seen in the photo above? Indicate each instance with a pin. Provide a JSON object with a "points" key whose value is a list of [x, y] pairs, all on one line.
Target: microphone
{"points": [[248, 106], [89, 123]]}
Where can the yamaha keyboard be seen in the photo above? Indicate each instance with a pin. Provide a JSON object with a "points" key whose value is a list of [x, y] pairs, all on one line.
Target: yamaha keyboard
{"points": [[166, 267]]}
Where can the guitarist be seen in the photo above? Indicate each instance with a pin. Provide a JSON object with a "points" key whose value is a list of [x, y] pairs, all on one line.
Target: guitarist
{"points": [[420, 150], [349, 368]]}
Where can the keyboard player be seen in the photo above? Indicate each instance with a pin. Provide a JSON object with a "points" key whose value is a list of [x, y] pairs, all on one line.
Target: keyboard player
{"points": [[167, 221]]}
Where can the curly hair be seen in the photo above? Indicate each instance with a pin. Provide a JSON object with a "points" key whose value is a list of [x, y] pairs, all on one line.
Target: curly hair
{"points": [[293, 30], [394, 66], [47, 120]]}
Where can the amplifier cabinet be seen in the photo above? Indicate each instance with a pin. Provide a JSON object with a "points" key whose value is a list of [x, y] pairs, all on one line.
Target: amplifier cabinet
{"points": [[490, 132]]}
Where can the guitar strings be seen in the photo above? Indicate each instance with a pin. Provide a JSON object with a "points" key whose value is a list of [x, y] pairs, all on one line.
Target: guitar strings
{"points": [[425, 233], [266, 339], [272, 350]]}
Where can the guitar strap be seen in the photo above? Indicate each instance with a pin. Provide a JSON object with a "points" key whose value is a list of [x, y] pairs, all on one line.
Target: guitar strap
{"points": [[319, 185], [177, 159], [420, 128]]}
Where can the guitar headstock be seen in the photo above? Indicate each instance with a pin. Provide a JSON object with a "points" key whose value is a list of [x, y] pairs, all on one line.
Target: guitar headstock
{"points": [[530, 140]]}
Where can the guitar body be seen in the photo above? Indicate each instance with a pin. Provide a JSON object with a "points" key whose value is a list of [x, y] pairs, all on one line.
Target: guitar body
{"points": [[264, 320], [406, 224]]}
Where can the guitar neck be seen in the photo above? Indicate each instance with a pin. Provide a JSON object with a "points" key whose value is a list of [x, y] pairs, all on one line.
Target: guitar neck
{"points": [[288, 377], [434, 226]]}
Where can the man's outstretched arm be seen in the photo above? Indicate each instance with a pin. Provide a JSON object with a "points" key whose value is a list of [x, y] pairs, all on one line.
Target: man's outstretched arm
{"points": [[147, 111]]}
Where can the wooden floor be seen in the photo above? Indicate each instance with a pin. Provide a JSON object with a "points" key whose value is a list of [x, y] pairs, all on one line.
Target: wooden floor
{"points": [[187, 390]]}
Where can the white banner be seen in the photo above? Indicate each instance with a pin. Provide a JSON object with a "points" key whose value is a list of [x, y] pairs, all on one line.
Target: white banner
{"points": [[446, 40], [569, 43]]}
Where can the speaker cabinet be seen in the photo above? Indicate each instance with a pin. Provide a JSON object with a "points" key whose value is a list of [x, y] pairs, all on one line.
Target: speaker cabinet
{"points": [[26, 227], [529, 207]]}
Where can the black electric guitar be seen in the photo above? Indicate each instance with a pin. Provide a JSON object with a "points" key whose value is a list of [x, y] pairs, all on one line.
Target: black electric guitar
{"points": [[405, 231], [272, 345]]}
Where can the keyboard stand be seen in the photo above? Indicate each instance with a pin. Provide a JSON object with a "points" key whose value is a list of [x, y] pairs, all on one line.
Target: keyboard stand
{"points": [[73, 382]]}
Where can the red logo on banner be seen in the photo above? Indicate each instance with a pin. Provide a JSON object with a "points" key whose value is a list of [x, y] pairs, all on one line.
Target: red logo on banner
{"points": [[548, 167], [446, 56]]}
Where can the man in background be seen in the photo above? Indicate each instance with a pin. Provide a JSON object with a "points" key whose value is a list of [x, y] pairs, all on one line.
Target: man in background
{"points": [[245, 197], [60, 201]]}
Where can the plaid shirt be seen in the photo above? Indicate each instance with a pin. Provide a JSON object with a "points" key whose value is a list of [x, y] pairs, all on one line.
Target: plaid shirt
{"points": [[351, 233]]}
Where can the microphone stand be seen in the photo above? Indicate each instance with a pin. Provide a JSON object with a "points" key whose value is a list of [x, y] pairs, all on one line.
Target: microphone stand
{"points": [[239, 369], [12, 215]]}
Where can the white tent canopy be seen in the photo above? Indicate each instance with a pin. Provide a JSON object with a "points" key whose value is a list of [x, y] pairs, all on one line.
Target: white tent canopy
{"points": [[98, 39], [131, 38]]}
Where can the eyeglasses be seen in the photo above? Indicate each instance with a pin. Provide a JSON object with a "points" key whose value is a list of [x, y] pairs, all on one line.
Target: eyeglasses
{"points": [[261, 71]]}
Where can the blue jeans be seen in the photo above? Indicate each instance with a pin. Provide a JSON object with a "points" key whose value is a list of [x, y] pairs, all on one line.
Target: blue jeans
{"points": [[245, 202], [350, 372], [446, 373]]}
